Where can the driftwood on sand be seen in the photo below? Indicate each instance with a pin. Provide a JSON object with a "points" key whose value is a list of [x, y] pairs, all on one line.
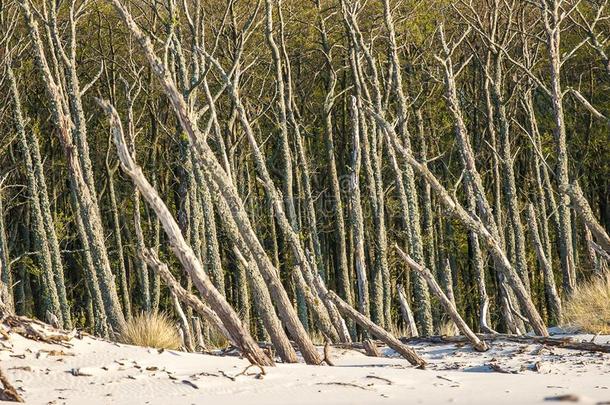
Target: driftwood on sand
{"points": [[560, 342]]}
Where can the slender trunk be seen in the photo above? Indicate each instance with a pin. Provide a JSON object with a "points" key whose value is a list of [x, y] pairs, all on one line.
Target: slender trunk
{"points": [[407, 314], [343, 270], [121, 270], [187, 336], [552, 20], [508, 177], [476, 261], [6, 277], [547, 269], [141, 268], [409, 192], [357, 220]]}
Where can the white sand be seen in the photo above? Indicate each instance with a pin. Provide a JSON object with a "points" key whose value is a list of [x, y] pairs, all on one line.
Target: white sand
{"points": [[122, 374]]}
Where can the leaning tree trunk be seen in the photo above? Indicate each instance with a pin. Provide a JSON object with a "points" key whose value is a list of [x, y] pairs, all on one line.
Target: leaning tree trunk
{"points": [[183, 295], [476, 225], [264, 307], [211, 238], [377, 331], [183, 251], [582, 207], [80, 179], [407, 314], [50, 299], [446, 301]]}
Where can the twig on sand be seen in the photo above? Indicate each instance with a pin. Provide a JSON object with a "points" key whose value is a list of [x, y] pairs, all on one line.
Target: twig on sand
{"points": [[230, 377], [345, 384], [564, 398], [499, 369], [190, 384], [446, 379], [258, 375], [390, 382]]}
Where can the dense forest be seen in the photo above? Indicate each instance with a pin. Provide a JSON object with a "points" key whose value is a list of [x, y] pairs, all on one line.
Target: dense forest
{"points": [[303, 171]]}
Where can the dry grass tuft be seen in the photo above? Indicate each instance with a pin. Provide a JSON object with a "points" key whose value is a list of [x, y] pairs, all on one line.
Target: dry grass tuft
{"points": [[215, 339], [589, 307], [448, 328], [152, 330]]}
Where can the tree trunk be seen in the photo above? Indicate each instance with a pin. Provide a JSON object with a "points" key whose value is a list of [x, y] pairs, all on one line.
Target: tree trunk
{"points": [[378, 331], [183, 251], [473, 224], [446, 301], [547, 269]]}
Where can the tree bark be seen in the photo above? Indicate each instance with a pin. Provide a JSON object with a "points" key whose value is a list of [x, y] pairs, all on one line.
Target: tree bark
{"points": [[582, 208]]}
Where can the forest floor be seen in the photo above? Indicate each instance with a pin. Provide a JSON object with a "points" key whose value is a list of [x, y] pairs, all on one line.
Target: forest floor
{"points": [[92, 371]]}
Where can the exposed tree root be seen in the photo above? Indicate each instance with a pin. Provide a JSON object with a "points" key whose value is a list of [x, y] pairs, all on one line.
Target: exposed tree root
{"points": [[8, 392]]}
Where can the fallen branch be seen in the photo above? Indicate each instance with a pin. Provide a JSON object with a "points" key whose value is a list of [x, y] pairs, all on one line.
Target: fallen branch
{"points": [[257, 375], [36, 330], [390, 382]]}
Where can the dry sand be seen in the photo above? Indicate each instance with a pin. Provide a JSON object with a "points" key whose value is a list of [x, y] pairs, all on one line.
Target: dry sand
{"points": [[94, 371]]}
